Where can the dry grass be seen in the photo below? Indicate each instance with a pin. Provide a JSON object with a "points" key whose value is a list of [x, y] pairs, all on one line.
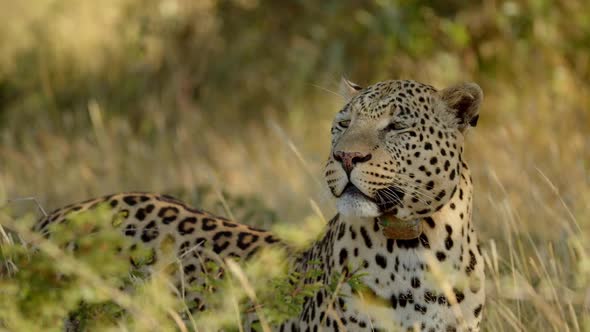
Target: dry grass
{"points": [[530, 156]]}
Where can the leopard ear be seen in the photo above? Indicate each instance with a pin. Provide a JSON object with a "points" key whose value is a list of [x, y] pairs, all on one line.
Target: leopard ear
{"points": [[348, 89], [463, 101]]}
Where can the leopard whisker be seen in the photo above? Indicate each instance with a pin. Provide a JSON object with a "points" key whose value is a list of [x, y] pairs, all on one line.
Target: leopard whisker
{"points": [[413, 185], [415, 194], [414, 188], [388, 197], [407, 181]]}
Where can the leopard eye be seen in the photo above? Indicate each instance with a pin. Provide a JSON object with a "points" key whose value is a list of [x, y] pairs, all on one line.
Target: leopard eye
{"points": [[395, 126], [344, 123]]}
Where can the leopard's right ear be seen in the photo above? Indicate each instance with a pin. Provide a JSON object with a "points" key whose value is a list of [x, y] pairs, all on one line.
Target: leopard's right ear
{"points": [[349, 89]]}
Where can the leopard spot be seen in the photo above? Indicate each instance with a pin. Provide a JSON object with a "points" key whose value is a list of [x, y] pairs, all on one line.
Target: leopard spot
{"points": [[477, 310], [271, 239], [429, 297], [424, 241], [149, 208], [208, 224], [140, 214], [420, 308], [381, 261], [472, 263], [459, 296], [448, 243], [130, 230], [186, 225], [130, 200], [343, 256], [229, 224], [184, 248], [246, 239], [390, 243], [366, 237], [430, 222], [218, 244], [168, 214], [218, 248], [150, 232]]}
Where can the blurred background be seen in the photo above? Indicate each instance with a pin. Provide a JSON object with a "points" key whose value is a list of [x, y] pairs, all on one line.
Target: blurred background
{"points": [[228, 105]]}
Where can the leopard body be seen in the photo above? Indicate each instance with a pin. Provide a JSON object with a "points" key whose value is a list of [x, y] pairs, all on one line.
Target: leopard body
{"points": [[397, 150]]}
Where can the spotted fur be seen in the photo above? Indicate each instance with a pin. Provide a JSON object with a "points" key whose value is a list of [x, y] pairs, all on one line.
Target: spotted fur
{"points": [[397, 149], [158, 221]]}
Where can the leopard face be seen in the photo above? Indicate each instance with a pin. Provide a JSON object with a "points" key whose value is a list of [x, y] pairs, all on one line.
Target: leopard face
{"points": [[396, 147]]}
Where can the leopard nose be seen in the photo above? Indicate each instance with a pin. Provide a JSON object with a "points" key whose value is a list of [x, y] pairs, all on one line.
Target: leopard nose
{"points": [[348, 160]]}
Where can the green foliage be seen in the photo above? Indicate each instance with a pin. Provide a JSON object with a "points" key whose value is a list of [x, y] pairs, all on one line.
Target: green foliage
{"points": [[89, 245], [286, 295], [235, 96], [75, 279]]}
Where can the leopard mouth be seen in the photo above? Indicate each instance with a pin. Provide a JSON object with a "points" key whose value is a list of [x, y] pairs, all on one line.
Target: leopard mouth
{"points": [[389, 198], [385, 200], [352, 190], [353, 202]]}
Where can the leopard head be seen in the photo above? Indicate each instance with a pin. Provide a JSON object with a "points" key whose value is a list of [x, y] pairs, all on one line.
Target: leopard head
{"points": [[397, 146]]}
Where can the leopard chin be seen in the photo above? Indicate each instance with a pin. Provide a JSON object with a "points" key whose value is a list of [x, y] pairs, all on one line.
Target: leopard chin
{"points": [[353, 203]]}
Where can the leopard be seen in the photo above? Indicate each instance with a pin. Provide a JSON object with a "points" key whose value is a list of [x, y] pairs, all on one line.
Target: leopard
{"points": [[396, 159]]}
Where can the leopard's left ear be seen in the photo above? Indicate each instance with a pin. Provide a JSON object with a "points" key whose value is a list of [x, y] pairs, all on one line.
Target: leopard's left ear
{"points": [[349, 89], [463, 100]]}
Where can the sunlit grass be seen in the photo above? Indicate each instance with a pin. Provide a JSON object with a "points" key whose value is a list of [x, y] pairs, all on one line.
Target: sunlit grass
{"points": [[88, 118]]}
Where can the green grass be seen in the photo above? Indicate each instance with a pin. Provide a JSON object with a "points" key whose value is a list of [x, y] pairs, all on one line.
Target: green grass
{"points": [[228, 106]]}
